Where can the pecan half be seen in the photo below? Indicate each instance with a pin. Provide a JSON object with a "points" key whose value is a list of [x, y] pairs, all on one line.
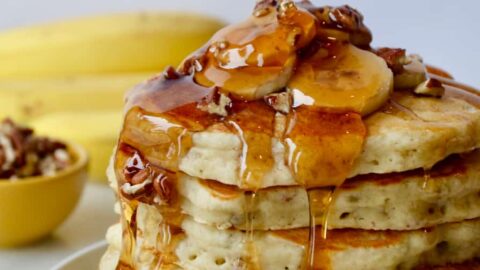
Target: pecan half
{"points": [[217, 103], [281, 102], [431, 87], [344, 19], [395, 58]]}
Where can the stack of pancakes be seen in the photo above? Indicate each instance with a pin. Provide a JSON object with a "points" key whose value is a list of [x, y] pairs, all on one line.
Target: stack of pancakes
{"points": [[210, 176]]}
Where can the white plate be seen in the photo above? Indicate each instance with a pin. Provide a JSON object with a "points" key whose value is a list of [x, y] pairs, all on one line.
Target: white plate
{"points": [[87, 258]]}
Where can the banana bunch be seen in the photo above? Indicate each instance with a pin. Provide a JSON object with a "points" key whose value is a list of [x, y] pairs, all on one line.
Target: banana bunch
{"points": [[122, 43], [68, 79]]}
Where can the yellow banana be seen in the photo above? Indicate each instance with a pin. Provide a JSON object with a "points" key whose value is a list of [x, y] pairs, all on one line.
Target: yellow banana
{"points": [[24, 100], [97, 131], [130, 42]]}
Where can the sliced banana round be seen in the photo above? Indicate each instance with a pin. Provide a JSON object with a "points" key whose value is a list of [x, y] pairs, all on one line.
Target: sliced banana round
{"points": [[257, 57], [352, 79]]}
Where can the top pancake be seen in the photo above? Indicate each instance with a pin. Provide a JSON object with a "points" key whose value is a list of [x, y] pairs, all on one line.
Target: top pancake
{"points": [[410, 132]]}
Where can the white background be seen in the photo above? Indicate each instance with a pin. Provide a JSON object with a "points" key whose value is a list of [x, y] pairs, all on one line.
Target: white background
{"points": [[445, 33]]}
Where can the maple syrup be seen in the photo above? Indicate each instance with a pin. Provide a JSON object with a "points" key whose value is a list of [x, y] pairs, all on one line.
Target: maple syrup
{"points": [[322, 146], [319, 201], [256, 140], [163, 113], [454, 88], [281, 44], [247, 59], [393, 107]]}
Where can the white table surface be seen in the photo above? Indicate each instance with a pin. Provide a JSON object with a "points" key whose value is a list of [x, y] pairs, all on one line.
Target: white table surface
{"points": [[87, 225]]}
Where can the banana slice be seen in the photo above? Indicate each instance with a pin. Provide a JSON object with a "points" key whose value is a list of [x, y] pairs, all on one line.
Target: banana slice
{"points": [[353, 79], [257, 57]]}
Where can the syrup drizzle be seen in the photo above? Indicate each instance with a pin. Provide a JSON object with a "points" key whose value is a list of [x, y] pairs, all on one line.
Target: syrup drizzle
{"points": [[240, 58], [256, 138], [312, 233], [393, 107], [322, 154], [245, 62], [163, 113], [320, 202]]}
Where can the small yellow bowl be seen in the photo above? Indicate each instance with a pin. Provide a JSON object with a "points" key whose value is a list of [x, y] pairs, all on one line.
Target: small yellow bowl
{"points": [[31, 208]]}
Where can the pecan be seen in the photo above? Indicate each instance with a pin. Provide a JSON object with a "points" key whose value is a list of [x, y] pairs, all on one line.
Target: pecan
{"points": [[171, 74], [263, 7], [8, 151], [43, 146], [216, 103], [140, 177], [261, 4], [413, 73], [8, 126], [196, 62], [19, 145], [431, 87], [344, 19], [281, 102], [395, 58]]}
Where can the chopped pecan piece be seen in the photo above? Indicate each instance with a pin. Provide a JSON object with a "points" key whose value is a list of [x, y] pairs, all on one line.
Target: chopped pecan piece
{"points": [[344, 19], [140, 176], [431, 87], [413, 73], [23, 155], [395, 58], [171, 74], [217, 104], [281, 102], [263, 7]]}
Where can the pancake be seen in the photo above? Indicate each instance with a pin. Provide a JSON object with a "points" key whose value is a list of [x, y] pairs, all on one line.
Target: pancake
{"points": [[203, 247], [411, 132], [401, 201], [287, 143]]}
